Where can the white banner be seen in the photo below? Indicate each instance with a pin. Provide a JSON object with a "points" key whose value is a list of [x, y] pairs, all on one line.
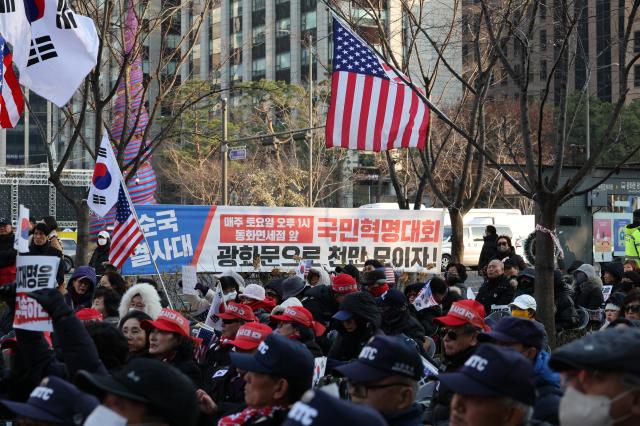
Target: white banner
{"points": [[33, 273], [247, 239]]}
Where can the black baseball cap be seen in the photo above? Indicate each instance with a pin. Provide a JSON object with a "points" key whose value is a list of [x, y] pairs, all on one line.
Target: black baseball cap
{"points": [[55, 401], [515, 330], [381, 357], [318, 408], [166, 391], [277, 356], [392, 298], [494, 371], [4, 221], [612, 349]]}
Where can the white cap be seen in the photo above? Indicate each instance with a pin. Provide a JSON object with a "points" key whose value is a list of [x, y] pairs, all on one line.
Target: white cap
{"points": [[290, 302], [103, 234], [524, 301], [254, 291]]}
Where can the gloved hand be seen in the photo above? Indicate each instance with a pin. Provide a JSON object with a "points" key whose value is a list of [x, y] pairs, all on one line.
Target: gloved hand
{"points": [[52, 301], [203, 289]]}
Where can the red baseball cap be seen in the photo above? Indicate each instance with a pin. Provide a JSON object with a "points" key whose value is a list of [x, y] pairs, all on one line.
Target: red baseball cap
{"points": [[168, 320], [250, 335], [465, 312], [344, 284], [237, 311], [89, 314], [302, 316]]}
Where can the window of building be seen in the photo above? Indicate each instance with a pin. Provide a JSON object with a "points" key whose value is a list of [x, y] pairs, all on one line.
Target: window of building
{"points": [[283, 61], [543, 71], [543, 39], [542, 9], [636, 76], [258, 69], [258, 5], [283, 26], [258, 35], [636, 42], [308, 20], [236, 8]]}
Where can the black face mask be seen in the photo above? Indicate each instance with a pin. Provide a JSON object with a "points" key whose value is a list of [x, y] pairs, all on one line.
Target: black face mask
{"points": [[452, 279]]}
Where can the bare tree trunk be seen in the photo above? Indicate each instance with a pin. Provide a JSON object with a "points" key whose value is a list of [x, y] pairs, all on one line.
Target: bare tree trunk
{"points": [[82, 251], [457, 238], [545, 259]]}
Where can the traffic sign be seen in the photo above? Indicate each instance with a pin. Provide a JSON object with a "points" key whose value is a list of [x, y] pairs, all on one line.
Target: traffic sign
{"points": [[238, 153]]}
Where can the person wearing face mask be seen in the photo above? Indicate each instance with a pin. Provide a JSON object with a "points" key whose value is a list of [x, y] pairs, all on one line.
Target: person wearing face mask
{"points": [[587, 287], [528, 338], [396, 319], [374, 281], [357, 320], [505, 250], [100, 256], [170, 341], [602, 376], [297, 323], [456, 275], [140, 297], [526, 282]]}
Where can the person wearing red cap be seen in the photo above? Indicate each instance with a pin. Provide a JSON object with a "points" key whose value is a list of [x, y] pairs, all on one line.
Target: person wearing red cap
{"points": [[297, 323], [323, 301], [224, 390], [234, 316], [170, 341], [460, 329]]}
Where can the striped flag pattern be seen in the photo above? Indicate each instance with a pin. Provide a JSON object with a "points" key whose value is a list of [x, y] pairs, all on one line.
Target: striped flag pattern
{"points": [[142, 186], [11, 99], [126, 232], [371, 108]]}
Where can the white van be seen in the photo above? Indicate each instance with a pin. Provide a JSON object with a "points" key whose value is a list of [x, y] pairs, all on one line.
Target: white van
{"points": [[473, 240]]}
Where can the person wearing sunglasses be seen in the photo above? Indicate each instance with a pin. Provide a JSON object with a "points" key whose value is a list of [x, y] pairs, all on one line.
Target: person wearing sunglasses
{"points": [[461, 326], [385, 377], [631, 305]]}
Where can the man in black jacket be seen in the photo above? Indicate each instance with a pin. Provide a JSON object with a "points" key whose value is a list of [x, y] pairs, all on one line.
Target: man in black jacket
{"points": [[396, 318], [7, 253], [489, 247], [496, 289], [41, 246]]}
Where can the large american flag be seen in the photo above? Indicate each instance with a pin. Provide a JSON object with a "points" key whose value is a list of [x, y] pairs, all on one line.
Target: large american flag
{"points": [[371, 109], [11, 99], [126, 232]]}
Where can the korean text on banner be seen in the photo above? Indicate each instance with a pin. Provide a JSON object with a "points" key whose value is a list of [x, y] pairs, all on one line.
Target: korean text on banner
{"points": [[248, 239], [189, 279], [33, 273]]}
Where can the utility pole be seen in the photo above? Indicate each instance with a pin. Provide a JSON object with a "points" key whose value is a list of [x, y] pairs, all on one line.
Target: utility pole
{"points": [[310, 59], [223, 150]]}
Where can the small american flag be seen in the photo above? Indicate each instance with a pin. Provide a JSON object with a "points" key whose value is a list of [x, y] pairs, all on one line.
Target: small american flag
{"points": [[11, 99], [126, 232], [371, 108]]}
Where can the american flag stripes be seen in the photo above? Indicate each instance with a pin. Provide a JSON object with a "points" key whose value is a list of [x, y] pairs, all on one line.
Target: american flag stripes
{"points": [[126, 232], [11, 99], [371, 108]]}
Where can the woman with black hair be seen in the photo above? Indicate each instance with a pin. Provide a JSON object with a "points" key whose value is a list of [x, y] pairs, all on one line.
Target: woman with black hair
{"points": [[170, 341], [297, 323], [106, 301], [137, 337], [52, 236], [112, 279]]}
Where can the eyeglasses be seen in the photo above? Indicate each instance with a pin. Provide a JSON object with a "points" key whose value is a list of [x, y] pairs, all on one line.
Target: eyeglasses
{"points": [[503, 243], [453, 335], [633, 309], [362, 389]]}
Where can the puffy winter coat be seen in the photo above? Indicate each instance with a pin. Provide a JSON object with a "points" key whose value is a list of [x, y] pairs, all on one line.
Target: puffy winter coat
{"points": [[99, 256], [496, 291], [589, 293], [489, 251], [321, 302]]}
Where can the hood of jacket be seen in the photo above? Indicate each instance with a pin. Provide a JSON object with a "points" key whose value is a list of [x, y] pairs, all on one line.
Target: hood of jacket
{"points": [[324, 276], [149, 295], [593, 280], [74, 299], [321, 292], [362, 304]]}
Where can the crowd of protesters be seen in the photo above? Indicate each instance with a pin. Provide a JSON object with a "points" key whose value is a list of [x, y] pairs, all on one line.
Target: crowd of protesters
{"points": [[395, 353]]}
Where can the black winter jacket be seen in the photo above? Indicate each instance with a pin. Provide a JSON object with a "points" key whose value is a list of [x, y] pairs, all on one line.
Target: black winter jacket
{"points": [[7, 259], [442, 396], [404, 323], [321, 302], [100, 255], [566, 315], [489, 251], [495, 291]]}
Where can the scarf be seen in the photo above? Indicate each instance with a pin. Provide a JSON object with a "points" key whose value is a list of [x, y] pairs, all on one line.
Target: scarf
{"points": [[378, 290], [250, 415]]}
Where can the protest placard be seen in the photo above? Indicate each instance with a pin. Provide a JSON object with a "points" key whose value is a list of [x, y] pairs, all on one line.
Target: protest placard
{"points": [[189, 279], [33, 273]]}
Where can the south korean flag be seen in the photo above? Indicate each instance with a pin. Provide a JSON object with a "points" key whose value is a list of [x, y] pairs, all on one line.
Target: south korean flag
{"points": [[105, 182], [63, 50]]}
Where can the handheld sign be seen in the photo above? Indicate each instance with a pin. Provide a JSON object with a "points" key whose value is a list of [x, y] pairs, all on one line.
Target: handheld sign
{"points": [[189, 279], [33, 273]]}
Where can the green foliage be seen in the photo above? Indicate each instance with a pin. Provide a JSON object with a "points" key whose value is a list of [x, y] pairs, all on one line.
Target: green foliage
{"points": [[627, 129]]}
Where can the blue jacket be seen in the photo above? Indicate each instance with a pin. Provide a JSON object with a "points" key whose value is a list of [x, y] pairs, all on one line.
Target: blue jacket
{"points": [[548, 390], [409, 417]]}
